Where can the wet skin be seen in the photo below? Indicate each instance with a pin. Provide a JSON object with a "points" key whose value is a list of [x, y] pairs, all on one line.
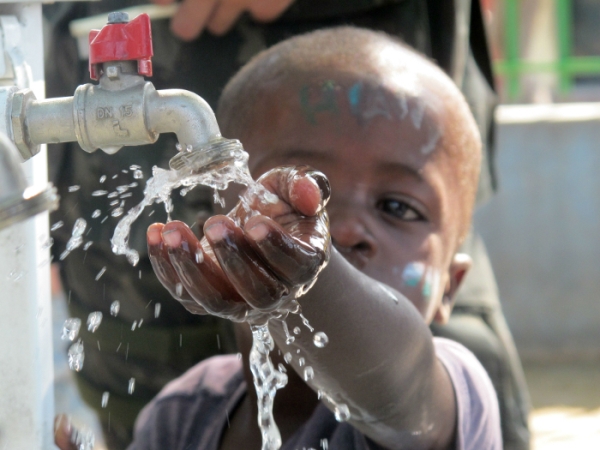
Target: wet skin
{"points": [[391, 205]]}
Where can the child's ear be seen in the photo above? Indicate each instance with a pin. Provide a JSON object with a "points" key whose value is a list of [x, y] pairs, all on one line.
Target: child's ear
{"points": [[460, 265]]}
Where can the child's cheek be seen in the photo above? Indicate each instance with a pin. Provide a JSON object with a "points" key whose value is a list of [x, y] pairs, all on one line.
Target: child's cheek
{"points": [[420, 283]]}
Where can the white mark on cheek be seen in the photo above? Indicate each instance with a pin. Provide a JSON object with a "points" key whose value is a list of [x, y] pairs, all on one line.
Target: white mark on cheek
{"points": [[413, 274], [431, 284]]}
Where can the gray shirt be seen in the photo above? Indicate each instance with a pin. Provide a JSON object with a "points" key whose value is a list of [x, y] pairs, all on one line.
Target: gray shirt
{"points": [[191, 412]]}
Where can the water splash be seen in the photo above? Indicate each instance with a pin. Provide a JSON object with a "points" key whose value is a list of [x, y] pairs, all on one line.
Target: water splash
{"points": [[267, 380], [76, 356], [114, 308], [76, 238], [94, 320], [320, 339], [70, 329]]}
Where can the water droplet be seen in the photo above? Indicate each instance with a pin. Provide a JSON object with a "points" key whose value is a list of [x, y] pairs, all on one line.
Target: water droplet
{"points": [[309, 373], [87, 245], [117, 212], [94, 320], [114, 203], [179, 289], [83, 438], [125, 171], [301, 361], [56, 225], [342, 413], [133, 325], [281, 368], [289, 339], [297, 330], [74, 188], [115, 176], [49, 243], [105, 397], [99, 193], [114, 308], [140, 323], [126, 195], [76, 356], [96, 214], [71, 329], [239, 356], [15, 275], [305, 322], [132, 185], [156, 310], [199, 256], [324, 444], [138, 174], [100, 273], [320, 339], [178, 147], [287, 357], [102, 178], [113, 194], [131, 386], [134, 167], [189, 148]]}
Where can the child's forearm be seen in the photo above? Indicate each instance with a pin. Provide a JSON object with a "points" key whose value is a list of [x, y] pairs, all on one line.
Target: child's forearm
{"points": [[379, 361]]}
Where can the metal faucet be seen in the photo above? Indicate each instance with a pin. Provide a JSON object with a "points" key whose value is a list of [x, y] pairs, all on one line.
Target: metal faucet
{"points": [[123, 109]]}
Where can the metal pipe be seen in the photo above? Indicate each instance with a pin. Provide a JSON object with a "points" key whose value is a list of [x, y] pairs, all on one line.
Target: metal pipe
{"points": [[122, 110], [50, 121], [183, 113]]}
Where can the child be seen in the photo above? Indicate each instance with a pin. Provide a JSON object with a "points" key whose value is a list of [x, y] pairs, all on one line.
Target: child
{"points": [[401, 153]]}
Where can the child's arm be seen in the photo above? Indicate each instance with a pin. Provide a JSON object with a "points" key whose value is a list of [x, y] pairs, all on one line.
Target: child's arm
{"points": [[379, 361]]}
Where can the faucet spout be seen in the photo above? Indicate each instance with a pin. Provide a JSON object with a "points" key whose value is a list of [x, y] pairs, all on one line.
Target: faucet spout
{"points": [[184, 113]]}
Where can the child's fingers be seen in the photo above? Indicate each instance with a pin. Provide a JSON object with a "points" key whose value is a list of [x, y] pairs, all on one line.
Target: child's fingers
{"points": [[292, 260], [165, 272], [300, 189], [201, 277], [242, 266], [63, 433]]}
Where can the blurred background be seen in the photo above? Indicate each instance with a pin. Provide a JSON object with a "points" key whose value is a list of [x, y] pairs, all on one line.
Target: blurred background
{"points": [[541, 227]]}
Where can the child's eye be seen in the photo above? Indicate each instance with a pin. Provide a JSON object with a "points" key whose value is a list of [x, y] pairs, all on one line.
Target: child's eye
{"points": [[399, 210]]}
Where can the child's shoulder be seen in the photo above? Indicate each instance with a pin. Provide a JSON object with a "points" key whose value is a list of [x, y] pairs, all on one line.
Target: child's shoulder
{"points": [[213, 375], [478, 414], [195, 404]]}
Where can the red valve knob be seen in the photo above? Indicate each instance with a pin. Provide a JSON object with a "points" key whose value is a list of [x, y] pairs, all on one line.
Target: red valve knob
{"points": [[122, 41]]}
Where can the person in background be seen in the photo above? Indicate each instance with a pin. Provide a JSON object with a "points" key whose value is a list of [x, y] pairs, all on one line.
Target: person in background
{"points": [[199, 50]]}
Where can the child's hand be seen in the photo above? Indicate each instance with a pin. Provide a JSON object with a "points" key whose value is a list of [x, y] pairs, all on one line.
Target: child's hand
{"points": [[248, 271]]}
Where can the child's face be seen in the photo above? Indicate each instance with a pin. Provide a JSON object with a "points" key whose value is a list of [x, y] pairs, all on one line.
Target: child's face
{"points": [[394, 207]]}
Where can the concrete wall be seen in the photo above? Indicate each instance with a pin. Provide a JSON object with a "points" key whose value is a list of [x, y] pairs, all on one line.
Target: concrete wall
{"points": [[542, 229]]}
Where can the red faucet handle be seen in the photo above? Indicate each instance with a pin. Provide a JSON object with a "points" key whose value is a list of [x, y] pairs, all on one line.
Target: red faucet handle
{"points": [[121, 40]]}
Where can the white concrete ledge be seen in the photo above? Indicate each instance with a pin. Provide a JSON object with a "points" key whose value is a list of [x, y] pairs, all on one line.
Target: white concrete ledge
{"points": [[553, 112]]}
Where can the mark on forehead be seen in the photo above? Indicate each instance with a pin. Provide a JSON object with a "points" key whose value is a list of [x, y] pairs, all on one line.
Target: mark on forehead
{"points": [[313, 101]]}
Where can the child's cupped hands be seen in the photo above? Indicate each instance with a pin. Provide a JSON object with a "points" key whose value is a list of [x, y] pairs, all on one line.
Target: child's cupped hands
{"points": [[252, 263]]}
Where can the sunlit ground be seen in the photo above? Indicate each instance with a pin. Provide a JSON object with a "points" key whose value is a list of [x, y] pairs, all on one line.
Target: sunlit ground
{"points": [[566, 401]]}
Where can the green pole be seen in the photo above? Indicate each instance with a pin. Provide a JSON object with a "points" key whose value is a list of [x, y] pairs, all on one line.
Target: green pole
{"points": [[511, 20], [563, 23]]}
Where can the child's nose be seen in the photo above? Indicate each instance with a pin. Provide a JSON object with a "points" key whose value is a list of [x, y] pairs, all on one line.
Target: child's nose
{"points": [[351, 237]]}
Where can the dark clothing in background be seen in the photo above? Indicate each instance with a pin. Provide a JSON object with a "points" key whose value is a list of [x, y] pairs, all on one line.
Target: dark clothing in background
{"points": [[451, 32]]}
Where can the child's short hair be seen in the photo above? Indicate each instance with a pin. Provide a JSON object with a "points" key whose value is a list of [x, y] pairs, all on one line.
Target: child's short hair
{"points": [[370, 56]]}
